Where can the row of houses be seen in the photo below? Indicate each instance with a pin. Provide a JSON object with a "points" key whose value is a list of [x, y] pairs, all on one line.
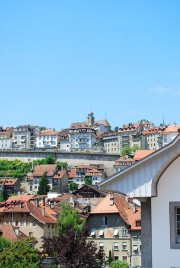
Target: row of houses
{"points": [[60, 179], [113, 221], [89, 136]]}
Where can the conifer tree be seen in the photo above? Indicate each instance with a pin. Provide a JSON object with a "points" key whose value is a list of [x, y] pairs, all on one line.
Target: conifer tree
{"points": [[44, 187]]}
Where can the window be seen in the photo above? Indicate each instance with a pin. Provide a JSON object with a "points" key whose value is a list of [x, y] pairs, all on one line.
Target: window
{"points": [[16, 223], [101, 232], [174, 215], [116, 246], [30, 234], [22, 223], [93, 232], [135, 248], [124, 245], [124, 232], [105, 220], [138, 223], [116, 231], [124, 258], [101, 246], [34, 223], [27, 223]]}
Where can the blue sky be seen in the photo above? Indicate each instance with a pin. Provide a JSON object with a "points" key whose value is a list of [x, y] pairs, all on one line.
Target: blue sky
{"points": [[61, 59]]}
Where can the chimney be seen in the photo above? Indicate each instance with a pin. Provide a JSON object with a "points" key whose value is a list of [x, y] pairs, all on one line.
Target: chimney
{"points": [[111, 201], [43, 211]]}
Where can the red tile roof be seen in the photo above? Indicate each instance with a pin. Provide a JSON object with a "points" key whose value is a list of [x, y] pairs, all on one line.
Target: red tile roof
{"points": [[139, 154], [8, 232], [119, 206], [41, 169], [60, 174]]}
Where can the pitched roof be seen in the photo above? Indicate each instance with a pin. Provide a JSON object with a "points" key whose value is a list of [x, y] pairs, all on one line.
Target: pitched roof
{"points": [[22, 198], [120, 206], [172, 128], [60, 174], [8, 232], [41, 169], [139, 154], [103, 122]]}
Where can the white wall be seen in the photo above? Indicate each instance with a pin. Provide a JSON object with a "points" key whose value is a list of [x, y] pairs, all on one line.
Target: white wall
{"points": [[168, 191]]}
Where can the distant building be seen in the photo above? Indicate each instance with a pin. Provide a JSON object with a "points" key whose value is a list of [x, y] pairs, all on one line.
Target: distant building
{"points": [[23, 137], [10, 185], [48, 138], [122, 163], [79, 173], [6, 138]]}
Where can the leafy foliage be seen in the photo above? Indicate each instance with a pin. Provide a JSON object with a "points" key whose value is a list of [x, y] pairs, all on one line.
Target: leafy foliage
{"points": [[62, 165], [127, 150], [4, 243], [88, 180], [118, 264], [19, 255], [49, 159], [69, 219], [43, 187], [16, 168], [72, 186], [71, 250]]}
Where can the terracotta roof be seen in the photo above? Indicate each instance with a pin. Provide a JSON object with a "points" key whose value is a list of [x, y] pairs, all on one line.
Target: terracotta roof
{"points": [[48, 132], [82, 166], [22, 198], [36, 212], [128, 127], [72, 173], [93, 172], [151, 130], [120, 206], [41, 169], [139, 154], [122, 159], [60, 174], [172, 128], [79, 125], [8, 232], [8, 182]]}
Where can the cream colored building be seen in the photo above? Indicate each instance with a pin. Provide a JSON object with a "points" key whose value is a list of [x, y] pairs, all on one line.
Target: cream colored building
{"points": [[115, 226]]}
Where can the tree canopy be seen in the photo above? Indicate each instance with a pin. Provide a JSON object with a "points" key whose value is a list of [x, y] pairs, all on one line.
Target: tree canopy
{"points": [[127, 150], [72, 186], [43, 187], [19, 255], [69, 219], [118, 264], [88, 180], [71, 250]]}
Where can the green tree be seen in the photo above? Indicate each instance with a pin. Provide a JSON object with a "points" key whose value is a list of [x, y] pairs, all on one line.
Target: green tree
{"points": [[62, 165], [116, 129], [4, 243], [88, 180], [118, 264], [69, 219], [19, 255], [127, 150], [43, 185], [72, 186]]}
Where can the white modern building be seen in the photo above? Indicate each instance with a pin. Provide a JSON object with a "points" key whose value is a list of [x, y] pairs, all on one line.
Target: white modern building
{"points": [[48, 138], [154, 180]]}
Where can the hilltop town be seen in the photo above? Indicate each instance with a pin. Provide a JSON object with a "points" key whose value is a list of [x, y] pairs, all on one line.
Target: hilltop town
{"points": [[31, 193]]}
